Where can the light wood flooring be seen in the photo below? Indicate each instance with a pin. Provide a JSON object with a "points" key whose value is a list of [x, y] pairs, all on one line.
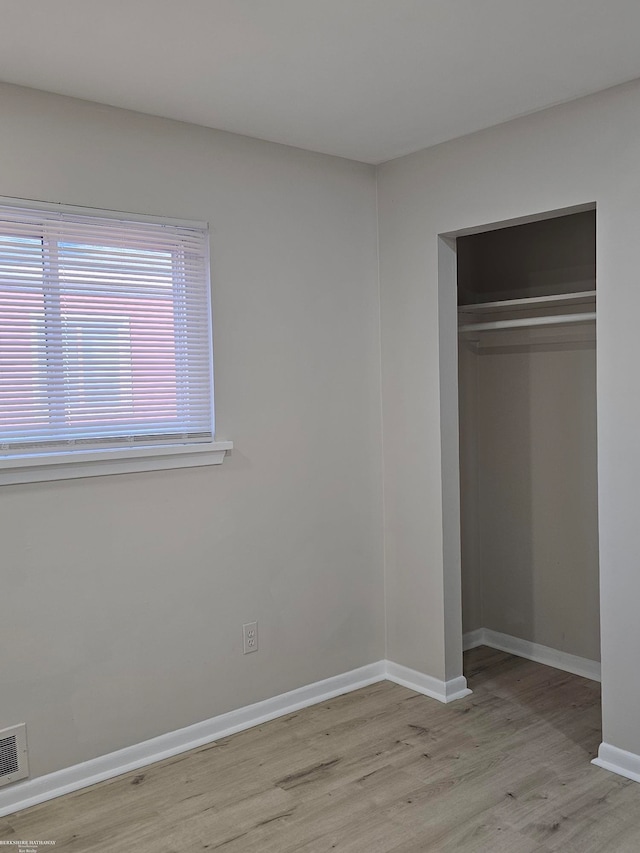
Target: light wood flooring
{"points": [[382, 769]]}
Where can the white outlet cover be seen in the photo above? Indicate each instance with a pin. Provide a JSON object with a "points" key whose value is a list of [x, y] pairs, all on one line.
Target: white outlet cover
{"points": [[249, 637]]}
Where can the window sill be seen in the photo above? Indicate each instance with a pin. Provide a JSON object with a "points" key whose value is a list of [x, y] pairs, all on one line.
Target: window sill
{"points": [[68, 466]]}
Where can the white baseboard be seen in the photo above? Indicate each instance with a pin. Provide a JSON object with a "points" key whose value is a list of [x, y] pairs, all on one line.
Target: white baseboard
{"points": [[443, 691], [618, 761], [473, 639], [532, 651], [31, 792]]}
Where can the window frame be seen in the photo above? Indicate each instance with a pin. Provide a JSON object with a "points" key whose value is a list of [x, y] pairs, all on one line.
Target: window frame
{"points": [[60, 464]]}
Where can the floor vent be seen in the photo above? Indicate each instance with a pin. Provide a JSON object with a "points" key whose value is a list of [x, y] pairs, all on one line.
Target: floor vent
{"points": [[13, 754]]}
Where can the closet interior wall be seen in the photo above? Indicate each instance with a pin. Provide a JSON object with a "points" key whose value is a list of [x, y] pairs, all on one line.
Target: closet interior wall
{"points": [[528, 458]]}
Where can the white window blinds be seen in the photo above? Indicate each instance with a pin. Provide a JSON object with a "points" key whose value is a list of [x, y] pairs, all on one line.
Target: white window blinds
{"points": [[105, 332]]}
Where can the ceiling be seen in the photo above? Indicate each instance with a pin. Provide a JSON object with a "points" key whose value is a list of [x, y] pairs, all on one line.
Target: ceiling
{"points": [[366, 79]]}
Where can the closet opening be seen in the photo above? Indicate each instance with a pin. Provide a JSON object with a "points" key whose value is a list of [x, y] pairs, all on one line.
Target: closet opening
{"points": [[528, 556]]}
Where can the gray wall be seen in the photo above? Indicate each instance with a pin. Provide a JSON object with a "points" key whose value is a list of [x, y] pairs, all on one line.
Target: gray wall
{"points": [[471, 566], [123, 596], [562, 158], [529, 510], [536, 259]]}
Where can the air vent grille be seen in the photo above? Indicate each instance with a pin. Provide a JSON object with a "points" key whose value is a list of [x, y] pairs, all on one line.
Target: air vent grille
{"points": [[8, 755], [13, 754]]}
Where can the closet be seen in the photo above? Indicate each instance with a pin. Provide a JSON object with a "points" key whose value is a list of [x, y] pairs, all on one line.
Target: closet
{"points": [[527, 415]]}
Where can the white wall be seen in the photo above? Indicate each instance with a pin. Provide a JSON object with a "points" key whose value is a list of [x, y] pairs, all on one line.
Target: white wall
{"points": [[123, 597], [571, 155]]}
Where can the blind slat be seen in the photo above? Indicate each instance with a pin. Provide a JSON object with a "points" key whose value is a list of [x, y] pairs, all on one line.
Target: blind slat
{"points": [[105, 331]]}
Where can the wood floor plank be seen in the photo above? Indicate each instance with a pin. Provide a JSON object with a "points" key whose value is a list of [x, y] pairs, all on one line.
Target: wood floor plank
{"points": [[380, 770]]}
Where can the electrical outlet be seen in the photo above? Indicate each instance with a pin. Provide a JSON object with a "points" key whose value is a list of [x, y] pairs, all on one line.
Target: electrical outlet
{"points": [[250, 637]]}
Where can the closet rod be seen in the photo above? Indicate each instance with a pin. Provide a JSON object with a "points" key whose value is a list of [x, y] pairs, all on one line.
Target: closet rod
{"points": [[583, 297], [529, 321]]}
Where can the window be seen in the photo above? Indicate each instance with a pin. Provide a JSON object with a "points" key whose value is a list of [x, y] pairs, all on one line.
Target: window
{"points": [[105, 341]]}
